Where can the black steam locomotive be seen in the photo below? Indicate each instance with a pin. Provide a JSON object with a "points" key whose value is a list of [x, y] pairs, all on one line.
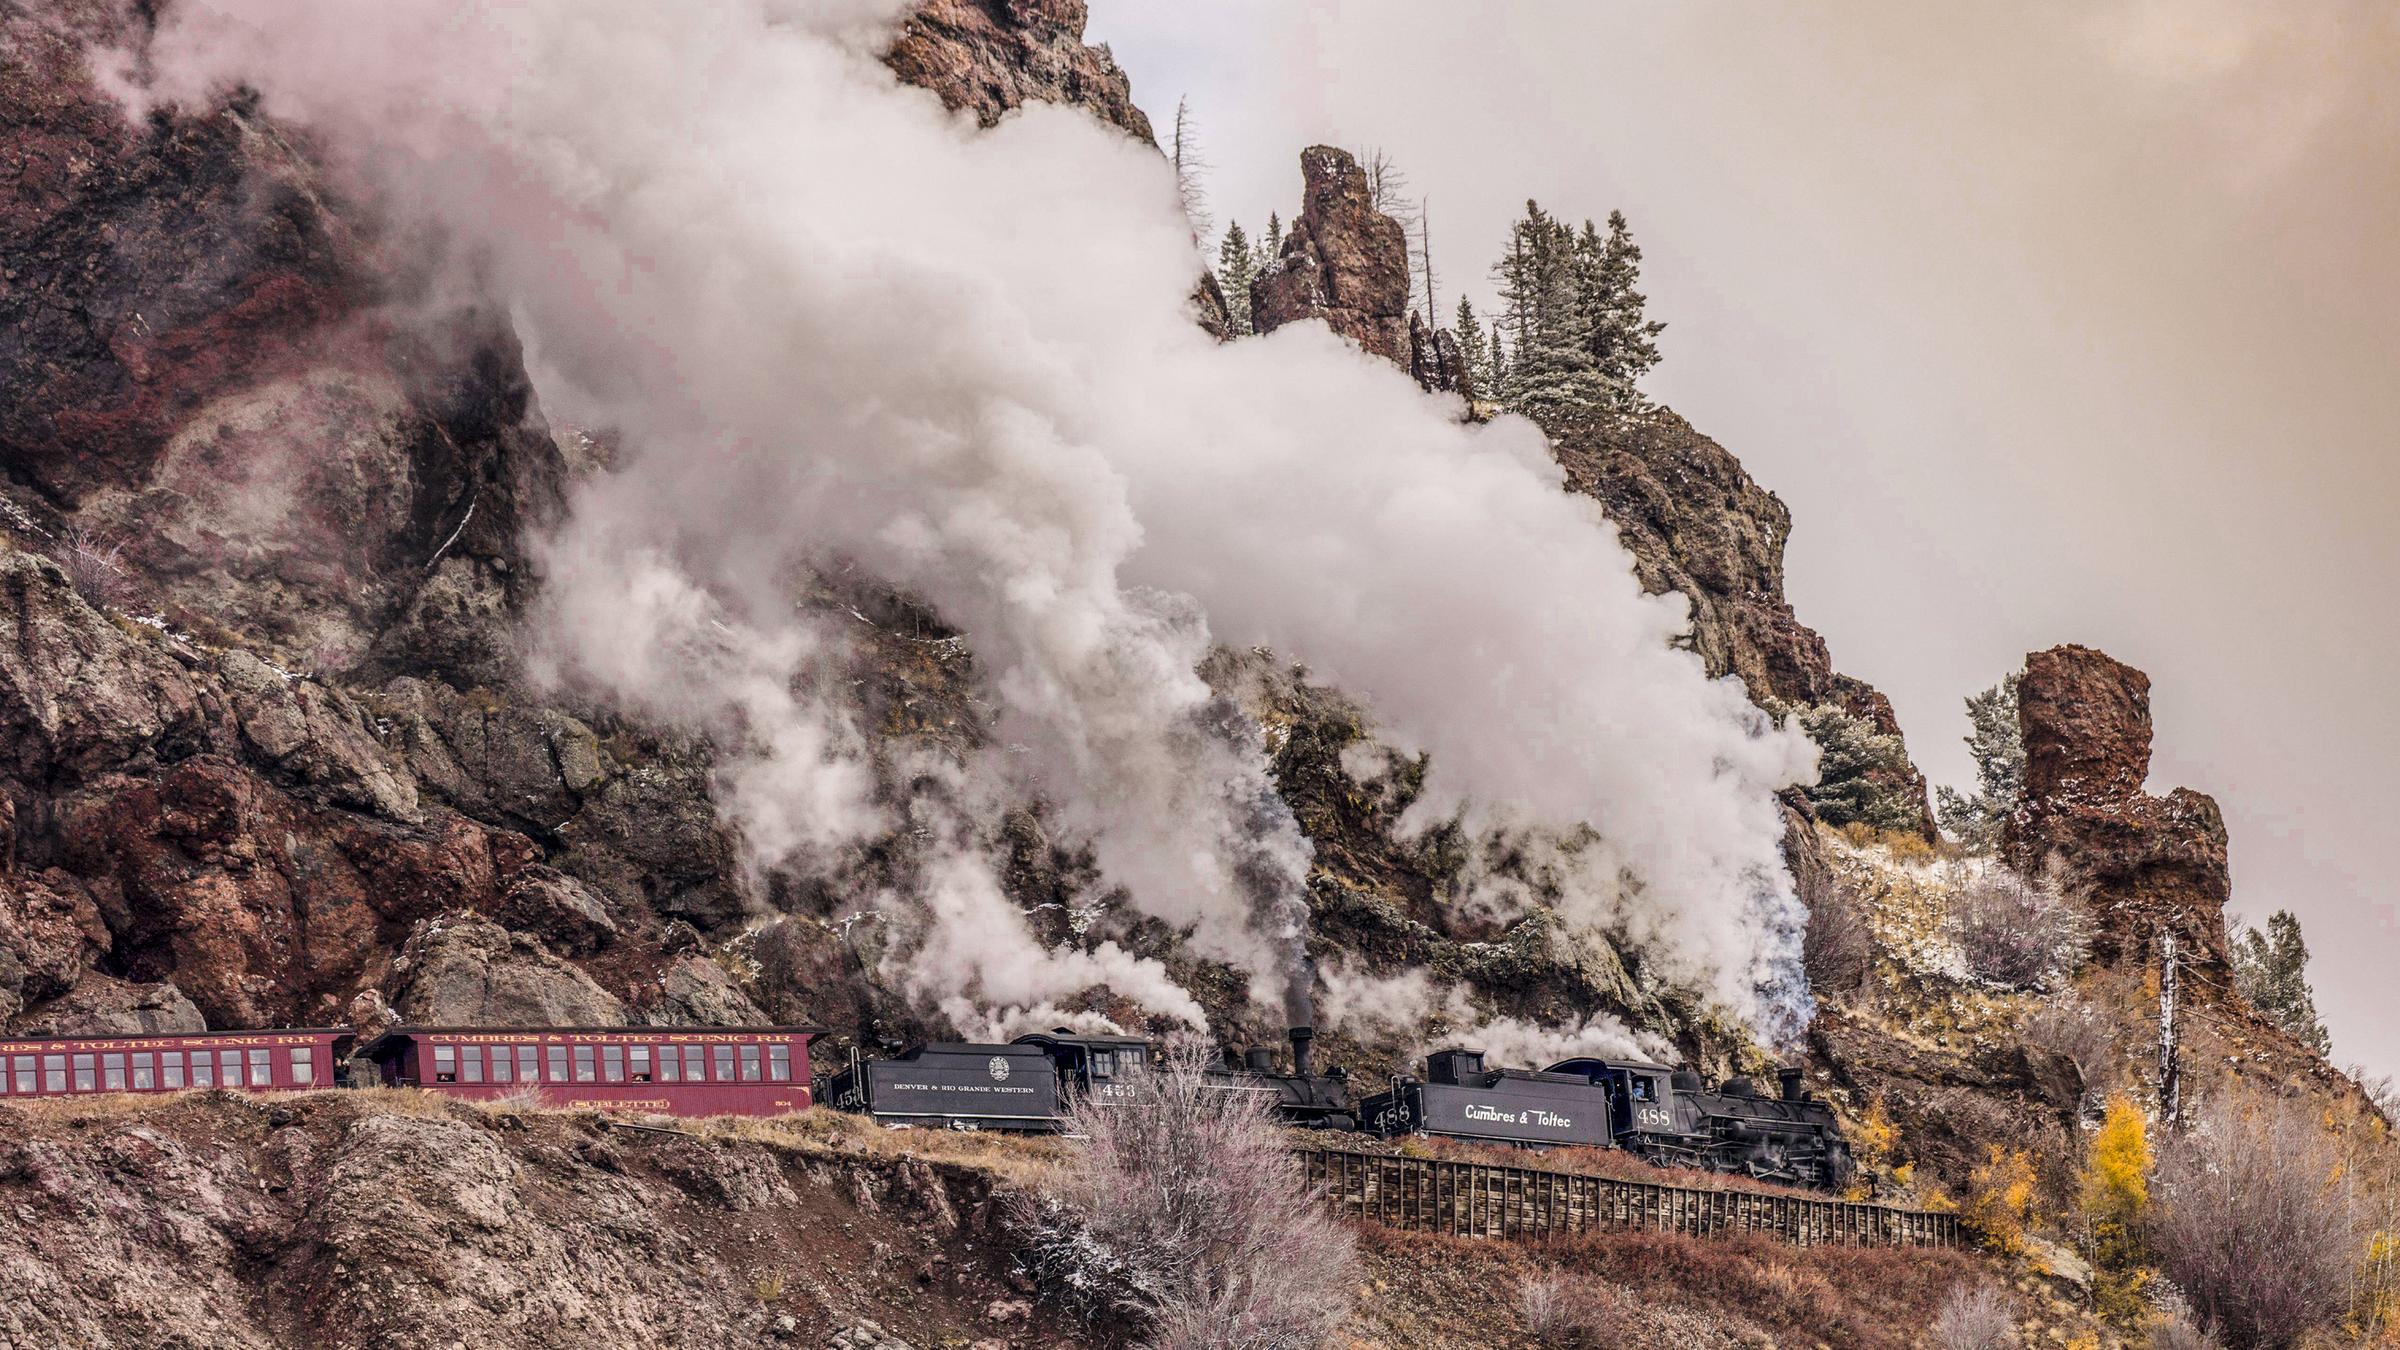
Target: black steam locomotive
{"points": [[1663, 1115], [1302, 1097]]}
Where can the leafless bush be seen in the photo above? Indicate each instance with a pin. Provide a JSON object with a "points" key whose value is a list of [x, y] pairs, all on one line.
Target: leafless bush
{"points": [[2079, 1033], [1186, 1210], [1837, 951], [1974, 1317], [95, 566], [1546, 1303], [2018, 934], [2177, 1334], [1570, 1314], [2253, 1218]]}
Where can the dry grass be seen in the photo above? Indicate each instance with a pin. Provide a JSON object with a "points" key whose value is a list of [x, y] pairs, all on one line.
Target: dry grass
{"points": [[1657, 1288]]}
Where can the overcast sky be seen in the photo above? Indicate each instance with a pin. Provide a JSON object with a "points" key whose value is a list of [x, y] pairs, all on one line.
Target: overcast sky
{"points": [[2052, 322]]}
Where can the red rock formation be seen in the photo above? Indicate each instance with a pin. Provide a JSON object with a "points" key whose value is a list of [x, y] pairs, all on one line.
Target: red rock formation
{"points": [[1343, 261], [990, 56], [2147, 863]]}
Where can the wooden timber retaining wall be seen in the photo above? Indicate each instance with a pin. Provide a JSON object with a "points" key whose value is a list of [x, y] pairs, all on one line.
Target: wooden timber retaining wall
{"points": [[1485, 1200]]}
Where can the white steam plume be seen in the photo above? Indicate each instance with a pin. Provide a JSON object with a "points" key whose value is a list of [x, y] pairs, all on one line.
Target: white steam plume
{"points": [[829, 318]]}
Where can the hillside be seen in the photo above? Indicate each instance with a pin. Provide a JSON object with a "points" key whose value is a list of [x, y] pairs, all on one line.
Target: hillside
{"points": [[281, 745]]}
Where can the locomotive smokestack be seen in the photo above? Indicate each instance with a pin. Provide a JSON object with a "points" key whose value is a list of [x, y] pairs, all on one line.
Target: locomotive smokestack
{"points": [[1791, 1084], [1301, 1037]]}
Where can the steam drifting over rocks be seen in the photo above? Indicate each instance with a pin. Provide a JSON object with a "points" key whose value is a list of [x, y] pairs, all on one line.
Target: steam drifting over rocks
{"points": [[834, 325]]}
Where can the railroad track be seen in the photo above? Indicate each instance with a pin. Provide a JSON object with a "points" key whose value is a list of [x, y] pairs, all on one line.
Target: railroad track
{"points": [[1471, 1199]]}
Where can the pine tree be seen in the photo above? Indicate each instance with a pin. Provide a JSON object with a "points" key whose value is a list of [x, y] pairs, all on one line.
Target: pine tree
{"points": [[2271, 970], [1497, 369], [1624, 343], [1553, 379], [1471, 348], [1237, 267], [1998, 746], [1272, 245]]}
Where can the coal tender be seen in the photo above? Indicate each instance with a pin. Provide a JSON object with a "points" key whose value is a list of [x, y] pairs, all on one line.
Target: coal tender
{"points": [[1302, 1098], [1461, 1099], [955, 1085]]}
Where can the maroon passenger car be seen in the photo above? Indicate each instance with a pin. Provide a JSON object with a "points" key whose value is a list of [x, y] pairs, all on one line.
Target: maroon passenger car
{"points": [[260, 1061], [684, 1071]]}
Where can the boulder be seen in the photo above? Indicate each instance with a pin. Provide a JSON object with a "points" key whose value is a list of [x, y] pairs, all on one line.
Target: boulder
{"points": [[2147, 864], [472, 972], [559, 910], [103, 1006], [694, 991], [1342, 261]]}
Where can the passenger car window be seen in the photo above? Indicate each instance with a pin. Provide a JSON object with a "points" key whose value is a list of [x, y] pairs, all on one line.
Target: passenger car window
{"points": [[779, 1063], [445, 1063], [641, 1063], [669, 1064], [86, 1076], [304, 1066], [25, 1079], [529, 1064], [612, 1063], [585, 1058], [500, 1063], [145, 1074], [262, 1068], [204, 1070], [724, 1058], [54, 1073], [170, 1070], [558, 1064], [695, 1068], [750, 1062], [470, 1063], [229, 1067], [112, 1072]]}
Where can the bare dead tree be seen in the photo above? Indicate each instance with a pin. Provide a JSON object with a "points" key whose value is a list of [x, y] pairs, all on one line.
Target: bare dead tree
{"points": [[1190, 168]]}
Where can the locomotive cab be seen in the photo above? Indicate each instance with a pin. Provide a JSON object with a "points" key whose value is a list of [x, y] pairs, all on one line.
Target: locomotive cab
{"points": [[1094, 1065], [1643, 1099]]}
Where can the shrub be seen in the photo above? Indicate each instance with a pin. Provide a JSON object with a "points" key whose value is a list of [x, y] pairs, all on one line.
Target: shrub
{"points": [[1999, 1198], [2175, 1333], [2079, 1033], [1974, 1317], [1569, 1314], [2018, 934], [1837, 951], [2253, 1217], [1185, 1212], [95, 566]]}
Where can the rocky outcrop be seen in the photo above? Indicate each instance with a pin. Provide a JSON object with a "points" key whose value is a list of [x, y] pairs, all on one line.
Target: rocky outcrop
{"points": [[1343, 261], [340, 1221], [2147, 864], [988, 57], [1698, 524], [1435, 361]]}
